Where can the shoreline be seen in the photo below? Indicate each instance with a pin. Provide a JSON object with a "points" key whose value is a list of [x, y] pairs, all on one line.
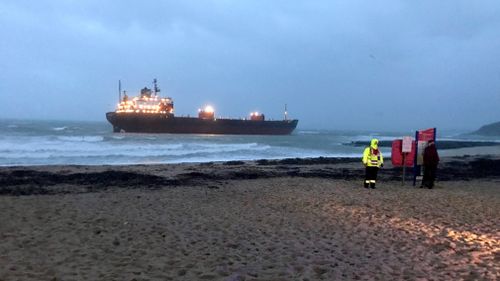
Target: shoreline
{"points": [[454, 148]]}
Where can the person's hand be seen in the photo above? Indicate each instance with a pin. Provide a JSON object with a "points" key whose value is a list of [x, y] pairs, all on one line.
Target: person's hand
{"points": [[382, 165]]}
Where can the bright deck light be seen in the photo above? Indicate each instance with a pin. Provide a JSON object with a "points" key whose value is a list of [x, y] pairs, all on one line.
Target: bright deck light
{"points": [[209, 109]]}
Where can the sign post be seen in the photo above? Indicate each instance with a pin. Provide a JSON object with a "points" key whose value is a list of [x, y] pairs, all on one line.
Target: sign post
{"points": [[405, 149], [402, 153]]}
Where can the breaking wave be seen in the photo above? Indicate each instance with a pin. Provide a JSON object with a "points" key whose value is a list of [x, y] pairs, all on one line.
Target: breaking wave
{"points": [[60, 128], [81, 138]]}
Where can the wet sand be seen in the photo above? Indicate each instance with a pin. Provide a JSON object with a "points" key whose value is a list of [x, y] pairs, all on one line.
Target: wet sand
{"points": [[291, 219]]}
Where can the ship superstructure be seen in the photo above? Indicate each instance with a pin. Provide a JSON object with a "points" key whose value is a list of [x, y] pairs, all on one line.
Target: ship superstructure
{"points": [[148, 101]]}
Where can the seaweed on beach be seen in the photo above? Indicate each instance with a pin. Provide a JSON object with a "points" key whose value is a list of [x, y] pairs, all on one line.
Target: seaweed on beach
{"points": [[250, 174], [27, 182], [477, 168], [32, 182], [184, 177], [116, 178], [486, 167], [462, 169], [306, 161], [233, 163]]}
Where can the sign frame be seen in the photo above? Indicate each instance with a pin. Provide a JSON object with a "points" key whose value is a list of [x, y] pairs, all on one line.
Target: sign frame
{"points": [[417, 168]]}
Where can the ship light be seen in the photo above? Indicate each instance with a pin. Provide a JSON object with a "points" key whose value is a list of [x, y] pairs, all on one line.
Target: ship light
{"points": [[209, 109]]}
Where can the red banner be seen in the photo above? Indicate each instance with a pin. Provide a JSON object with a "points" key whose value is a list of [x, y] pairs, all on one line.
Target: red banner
{"points": [[426, 135], [423, 137]]}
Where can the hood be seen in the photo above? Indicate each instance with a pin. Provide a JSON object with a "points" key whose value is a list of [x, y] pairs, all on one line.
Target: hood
{"points": [[374, 144]]}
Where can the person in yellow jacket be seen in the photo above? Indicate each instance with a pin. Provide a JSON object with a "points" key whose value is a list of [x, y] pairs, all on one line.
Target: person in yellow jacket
{"points": [[373, 160]]}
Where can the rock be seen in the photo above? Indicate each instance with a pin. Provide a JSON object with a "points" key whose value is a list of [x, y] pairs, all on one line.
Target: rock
{"points": [[319, 270]]}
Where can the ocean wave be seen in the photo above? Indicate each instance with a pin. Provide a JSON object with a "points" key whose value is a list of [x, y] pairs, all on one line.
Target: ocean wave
{"points": [[92, 145], [97, 149], [230, 146], [126, 158], [60, 128], [308, 132], [367, 138], [81, 138]]}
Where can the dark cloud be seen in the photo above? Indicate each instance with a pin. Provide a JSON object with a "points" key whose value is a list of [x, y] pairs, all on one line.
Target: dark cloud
{"points": [[337, 64]]}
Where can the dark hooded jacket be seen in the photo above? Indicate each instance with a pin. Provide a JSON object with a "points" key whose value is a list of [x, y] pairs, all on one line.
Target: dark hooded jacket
{"points": [[431, 156]]}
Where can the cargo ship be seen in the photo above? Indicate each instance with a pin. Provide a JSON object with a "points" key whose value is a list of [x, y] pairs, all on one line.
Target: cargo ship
{"points": [[150, 113]]}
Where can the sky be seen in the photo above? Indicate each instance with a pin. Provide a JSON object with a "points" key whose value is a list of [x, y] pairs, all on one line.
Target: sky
{"points": [[377, 65]]}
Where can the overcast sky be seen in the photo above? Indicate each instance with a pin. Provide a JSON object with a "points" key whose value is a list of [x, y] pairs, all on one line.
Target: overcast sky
{"points": [[378, 65]]}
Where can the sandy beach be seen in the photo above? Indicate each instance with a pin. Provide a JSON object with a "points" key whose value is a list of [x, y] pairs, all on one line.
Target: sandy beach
{"points": [[291, 219]]}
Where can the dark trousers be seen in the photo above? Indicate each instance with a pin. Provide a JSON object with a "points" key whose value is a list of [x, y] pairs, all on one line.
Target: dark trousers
{"points": [[371, 176], [429, 176]]}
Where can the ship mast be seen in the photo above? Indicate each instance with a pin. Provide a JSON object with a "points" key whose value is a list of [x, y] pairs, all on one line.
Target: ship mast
{"points": [[286, 113], [155, 87], [119, 91]]}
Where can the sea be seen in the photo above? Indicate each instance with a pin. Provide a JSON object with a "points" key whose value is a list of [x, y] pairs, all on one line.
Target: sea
{"points": [[35, 142]]}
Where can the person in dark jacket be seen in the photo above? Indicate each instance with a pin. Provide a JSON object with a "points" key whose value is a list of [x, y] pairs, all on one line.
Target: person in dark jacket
{"points": [[431, 160]]}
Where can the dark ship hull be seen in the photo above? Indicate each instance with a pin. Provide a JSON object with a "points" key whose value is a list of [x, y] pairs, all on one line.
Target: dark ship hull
{"points": [[170, 124]]}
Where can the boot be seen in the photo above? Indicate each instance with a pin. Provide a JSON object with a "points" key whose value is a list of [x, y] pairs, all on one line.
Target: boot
{"points": [[372, 185], [366, 185], [423, 184]]}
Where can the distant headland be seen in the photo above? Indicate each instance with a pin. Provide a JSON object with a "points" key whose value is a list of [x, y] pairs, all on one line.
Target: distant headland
{"points": [[492, 129]]}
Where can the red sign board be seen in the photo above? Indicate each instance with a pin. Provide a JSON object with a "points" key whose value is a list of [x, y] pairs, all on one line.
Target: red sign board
{"points": [[397, 154]]}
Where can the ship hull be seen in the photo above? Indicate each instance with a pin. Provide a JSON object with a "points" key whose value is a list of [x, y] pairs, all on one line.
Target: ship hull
{"points": [[170, 124]]}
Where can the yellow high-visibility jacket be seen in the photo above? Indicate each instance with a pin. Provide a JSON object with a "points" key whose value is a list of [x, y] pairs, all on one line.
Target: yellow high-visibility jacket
{"points": [[372, 160]]}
